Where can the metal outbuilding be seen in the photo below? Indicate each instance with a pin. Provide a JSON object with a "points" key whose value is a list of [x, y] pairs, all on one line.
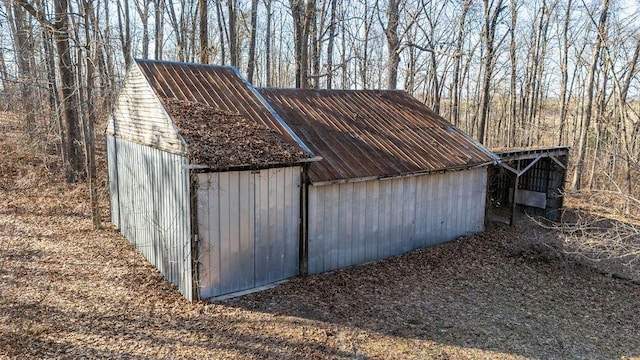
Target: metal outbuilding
{"points": [[224, 187], [395, 176], [210, 224]]}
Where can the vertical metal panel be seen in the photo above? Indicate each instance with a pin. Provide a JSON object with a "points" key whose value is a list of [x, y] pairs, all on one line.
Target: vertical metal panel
{"points": [[293, 224], [372, 228], [153, 203], [359, 223], [249, 235], [398, 215], [114, 200], [317, 220], [384, 217], [262, 220]]}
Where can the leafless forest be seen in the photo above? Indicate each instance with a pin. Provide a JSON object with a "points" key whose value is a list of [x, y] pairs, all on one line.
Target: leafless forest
{"points": [[512, 73]]}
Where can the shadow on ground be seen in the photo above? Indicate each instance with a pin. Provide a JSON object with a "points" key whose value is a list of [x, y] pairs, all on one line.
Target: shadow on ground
{"points": [[500, 290]]}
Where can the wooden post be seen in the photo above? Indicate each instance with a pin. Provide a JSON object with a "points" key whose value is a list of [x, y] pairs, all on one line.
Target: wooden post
{"points": [[515, 192], [303, 264], [195, 256]]}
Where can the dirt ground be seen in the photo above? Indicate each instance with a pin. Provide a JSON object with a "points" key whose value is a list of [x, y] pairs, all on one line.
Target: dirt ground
{"points": [[69, 292]]}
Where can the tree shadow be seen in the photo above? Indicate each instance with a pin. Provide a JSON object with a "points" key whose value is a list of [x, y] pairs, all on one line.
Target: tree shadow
{"points": [[123, 335], [474, 293]]}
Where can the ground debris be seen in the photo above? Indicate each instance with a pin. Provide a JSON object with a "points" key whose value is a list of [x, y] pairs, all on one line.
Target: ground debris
{"points": [[68, 292], [221, 139]]}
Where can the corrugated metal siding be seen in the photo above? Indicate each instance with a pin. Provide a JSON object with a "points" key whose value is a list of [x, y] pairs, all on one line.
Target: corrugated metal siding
{"points": [[150, 193], [372, 133], [217, 86], [139, 116], [357, 222], [248, 228], [112, 168]]}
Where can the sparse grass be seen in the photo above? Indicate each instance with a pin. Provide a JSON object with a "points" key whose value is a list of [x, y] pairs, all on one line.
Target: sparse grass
{"points": [[69, 292]]}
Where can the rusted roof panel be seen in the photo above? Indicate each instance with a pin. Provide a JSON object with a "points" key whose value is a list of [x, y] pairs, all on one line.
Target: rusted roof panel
{"points": [[373, 133], [217, 86]]}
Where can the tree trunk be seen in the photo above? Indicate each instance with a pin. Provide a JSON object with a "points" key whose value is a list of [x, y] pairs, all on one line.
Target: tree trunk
{"points": [[54, 104], [203, 34], [576, 184], [488, 35], [89, 117], [332, 35], [513, 97], [159, 28], [124, 26], [303, 14], [251, 63], [456, 88], [24, 58], [221, 31], [74, 164], [564, 70], [143, 12], [233, 36], [267, 44], [393, 43]]}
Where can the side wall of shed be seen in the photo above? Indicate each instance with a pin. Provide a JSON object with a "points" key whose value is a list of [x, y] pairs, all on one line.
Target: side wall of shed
{"points": [[150, 205], [359, 222]]}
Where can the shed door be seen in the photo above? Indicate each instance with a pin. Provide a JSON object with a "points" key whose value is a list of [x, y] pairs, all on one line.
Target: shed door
{"points": [[248, 229]]}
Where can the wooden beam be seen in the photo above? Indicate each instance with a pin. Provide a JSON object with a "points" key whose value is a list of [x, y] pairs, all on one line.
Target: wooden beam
{"points": [[558, 162], [514, 196], [521, 172], [529, 166], [509, 168]]}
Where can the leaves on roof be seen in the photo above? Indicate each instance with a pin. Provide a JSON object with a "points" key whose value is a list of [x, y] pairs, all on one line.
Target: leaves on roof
{"points": [[221, 139]]}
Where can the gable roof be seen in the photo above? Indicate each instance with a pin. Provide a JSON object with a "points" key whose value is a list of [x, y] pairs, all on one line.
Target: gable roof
{"points": [[364, 134], [218, 112]]}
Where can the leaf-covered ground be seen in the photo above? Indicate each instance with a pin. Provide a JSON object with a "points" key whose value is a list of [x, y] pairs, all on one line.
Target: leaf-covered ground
{"points": [[69, 292]]}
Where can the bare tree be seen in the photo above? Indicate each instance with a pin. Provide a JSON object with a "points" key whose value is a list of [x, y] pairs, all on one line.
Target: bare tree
{"points": [[332, 35], [456, 88], [143, 8], [303, 13], [203, 11], [576, 183], [393, 43], [251, 63], [267, 42], [159, 28], [18, 23], [234, 55], [491, 15], [73, 152], [124, 27], [564, 72]]}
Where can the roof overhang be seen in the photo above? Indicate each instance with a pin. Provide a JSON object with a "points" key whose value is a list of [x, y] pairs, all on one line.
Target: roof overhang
{"points": [[247, 167], [400, 176]]}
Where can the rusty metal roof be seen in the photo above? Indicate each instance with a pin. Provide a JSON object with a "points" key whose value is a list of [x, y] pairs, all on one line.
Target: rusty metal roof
{"points": [[217, 86], [373, 134]]}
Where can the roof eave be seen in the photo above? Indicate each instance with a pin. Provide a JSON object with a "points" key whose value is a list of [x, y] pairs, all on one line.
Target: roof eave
{"points": [[205, 168], [403, 175]]}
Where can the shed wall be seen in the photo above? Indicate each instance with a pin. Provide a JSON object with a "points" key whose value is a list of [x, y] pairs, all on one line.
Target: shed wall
{"points": [[248, 229], [150, 206], [359, 222], [139, 116]]}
